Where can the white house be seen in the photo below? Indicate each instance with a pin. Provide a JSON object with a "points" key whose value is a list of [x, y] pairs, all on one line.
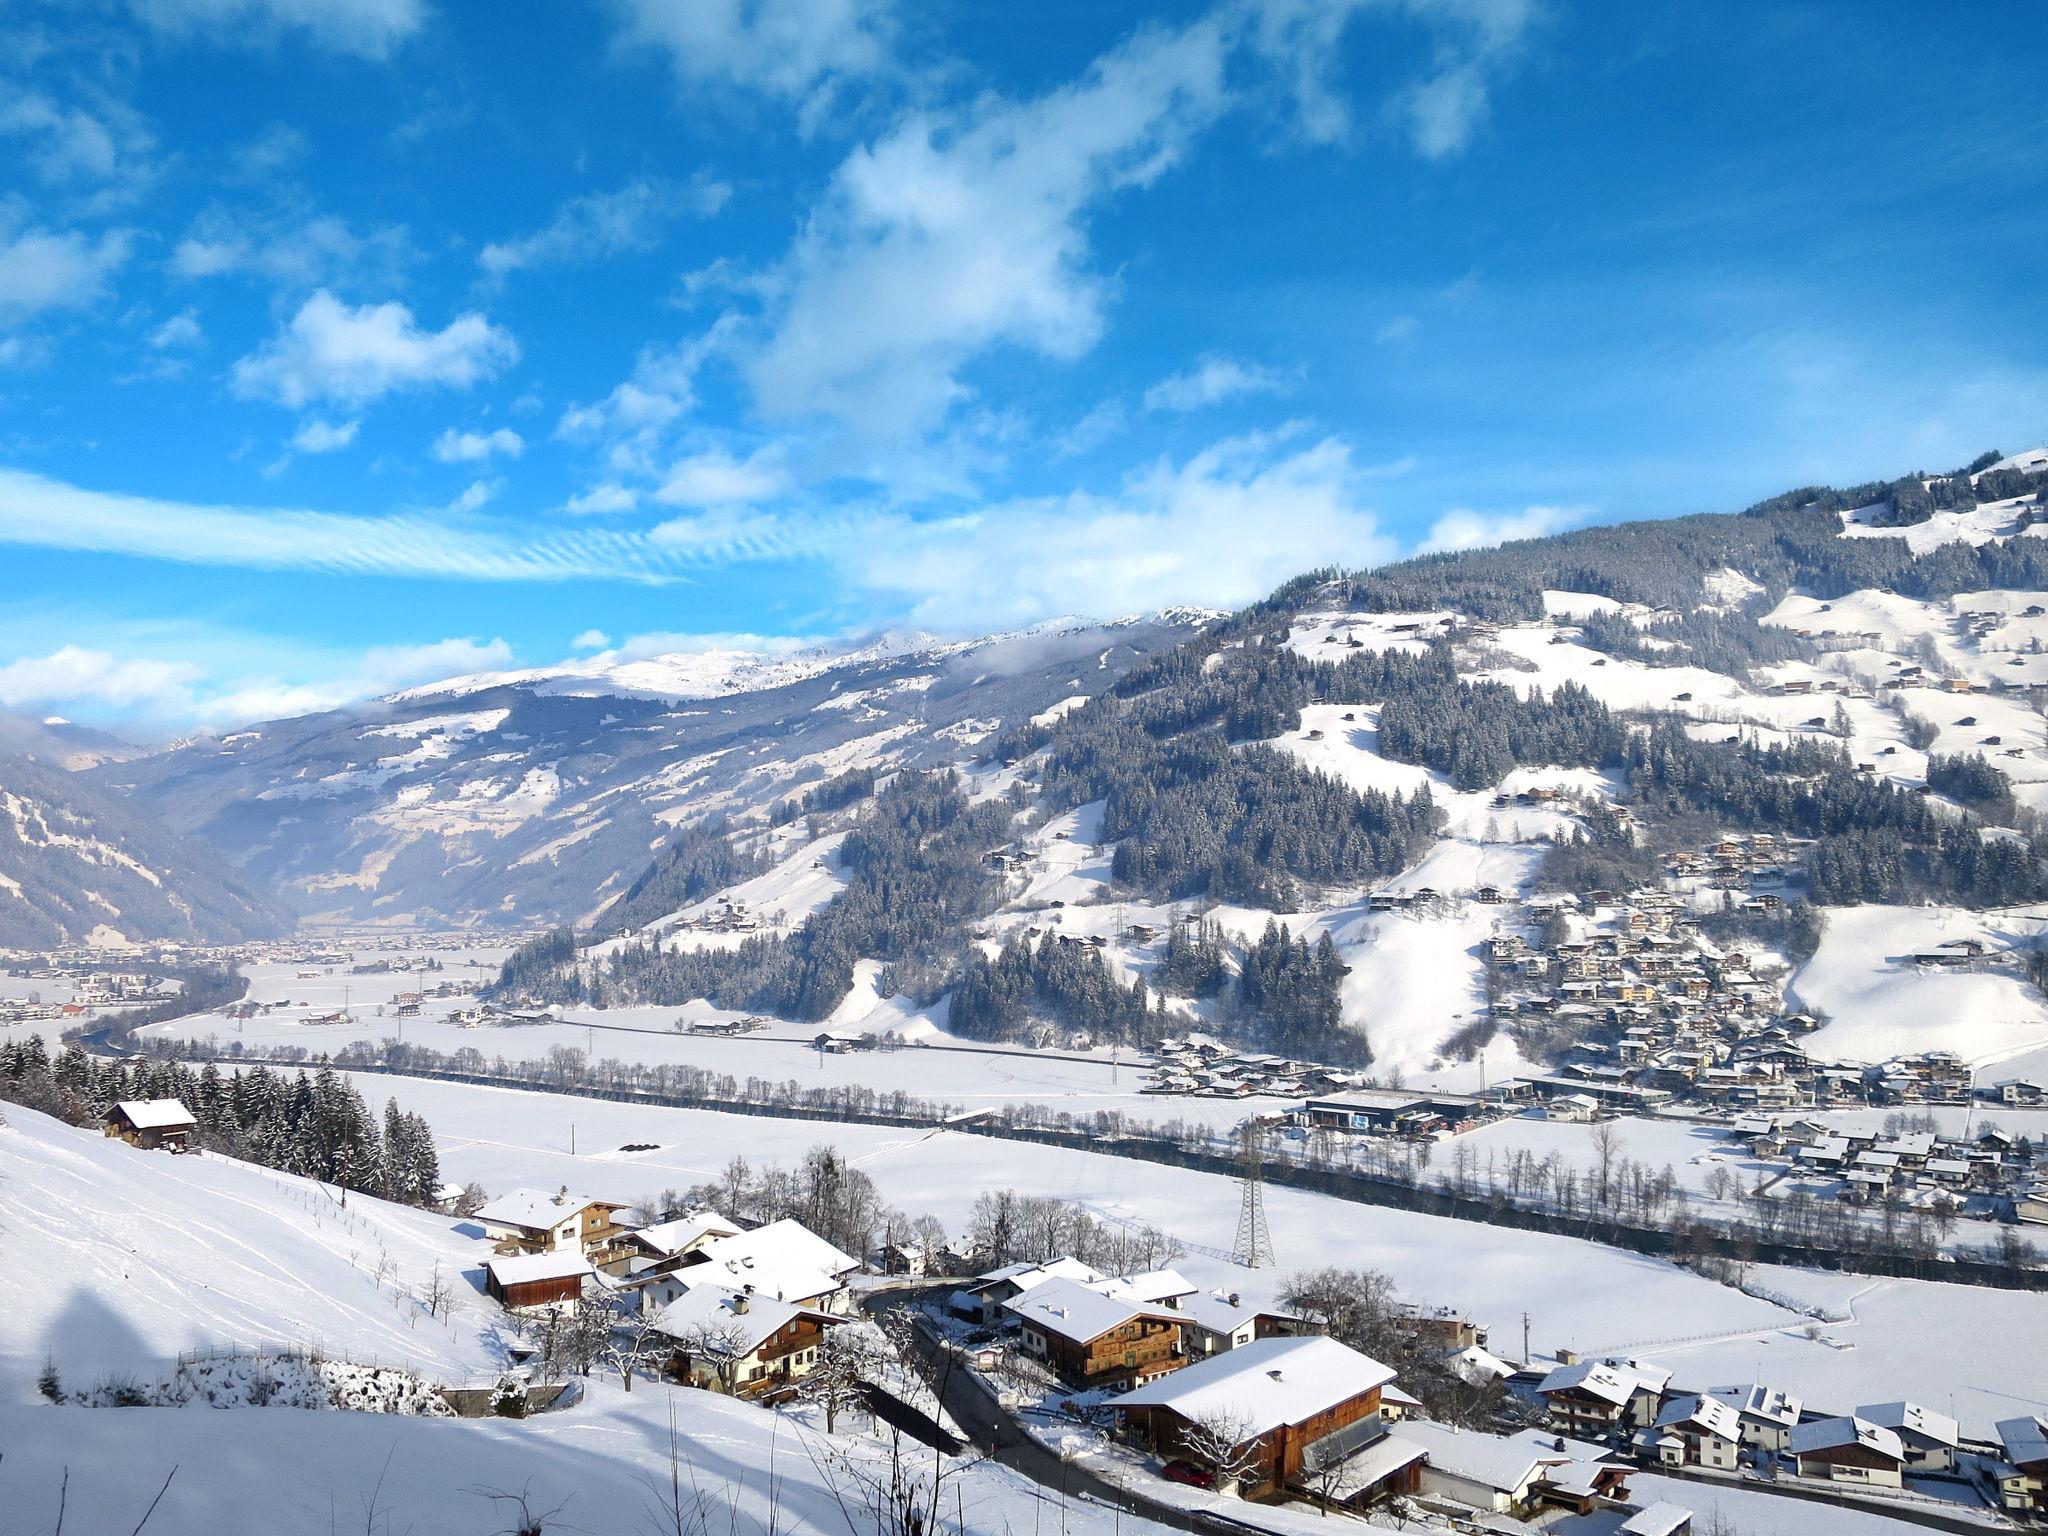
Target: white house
{"points": [[1698, 1432], [1930, 1439], [1767, 1415], [1849, 1450], [1511, 1475], [1595, 1395]]}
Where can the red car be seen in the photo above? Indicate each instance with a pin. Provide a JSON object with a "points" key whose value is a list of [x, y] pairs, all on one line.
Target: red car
{"points": [[1187, 1472]]}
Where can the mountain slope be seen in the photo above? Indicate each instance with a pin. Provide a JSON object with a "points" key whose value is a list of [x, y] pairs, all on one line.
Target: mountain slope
{"points": [[80, 865], [539, 796]]}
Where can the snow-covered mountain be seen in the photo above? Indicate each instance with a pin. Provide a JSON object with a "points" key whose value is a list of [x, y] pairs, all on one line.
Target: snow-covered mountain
{"points": [[80, 865], [539, 795]]}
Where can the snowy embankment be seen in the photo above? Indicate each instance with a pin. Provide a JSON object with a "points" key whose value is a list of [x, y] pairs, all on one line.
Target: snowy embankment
{"points": [[121, 1260]]}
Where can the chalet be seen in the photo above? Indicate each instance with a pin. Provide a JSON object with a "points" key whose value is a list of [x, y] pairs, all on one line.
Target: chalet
{"points": [[1092, 1339], [1214, 1321], [1766, 1417], [1443, 1328], [784, 1261], [1696, 1432], [519, 1281], [1929, 1439], [982, 1298], [1572, 1107], [1518, 1474], [739, 1342], [152, 1123], [2023, 1474], [2022, 1091], [1299, 1404], [528, 1221], [1849, 1450], [1589, 1396]]}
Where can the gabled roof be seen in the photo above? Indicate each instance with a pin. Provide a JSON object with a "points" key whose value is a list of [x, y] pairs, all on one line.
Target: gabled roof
{"points": [[1838, 1434], [1082, 1313], [1910, 1421], [1609, 1380], [1760, 1402], [1027, 1274], [784, 1259], [1709, 1414], [156, 1114], [2025, 1440], [1269, 1382], [526, 1268], [1154, 1285], [535, 1210], [725, 1322], [670, 1238], [1506, 1464], [1659, 1519]]}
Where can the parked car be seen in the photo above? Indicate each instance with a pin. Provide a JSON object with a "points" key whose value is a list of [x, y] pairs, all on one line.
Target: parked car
{"points": [[1187, 1472]]}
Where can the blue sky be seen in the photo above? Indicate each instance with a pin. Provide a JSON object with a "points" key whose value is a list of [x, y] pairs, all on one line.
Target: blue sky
{"points": [[350, 343]]}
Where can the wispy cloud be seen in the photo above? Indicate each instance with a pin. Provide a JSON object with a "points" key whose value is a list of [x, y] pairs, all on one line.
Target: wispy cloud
{"points": [[49, 514], [1462, 528], [599, 225], [1212, 380]]}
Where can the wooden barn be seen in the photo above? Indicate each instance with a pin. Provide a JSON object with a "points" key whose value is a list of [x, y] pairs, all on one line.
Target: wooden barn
{"points": [[152, 1123], [521, 1280]]}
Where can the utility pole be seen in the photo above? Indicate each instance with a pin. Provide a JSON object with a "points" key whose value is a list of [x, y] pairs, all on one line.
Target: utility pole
{"points": [[1525, 1339], [572, 1138]]}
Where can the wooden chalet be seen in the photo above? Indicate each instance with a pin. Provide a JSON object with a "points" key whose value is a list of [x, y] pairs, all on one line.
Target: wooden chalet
{"points": [[152, 1123]]}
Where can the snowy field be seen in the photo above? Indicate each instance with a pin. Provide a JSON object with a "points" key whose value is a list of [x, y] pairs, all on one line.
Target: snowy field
{"points": [[1582, 1296]]}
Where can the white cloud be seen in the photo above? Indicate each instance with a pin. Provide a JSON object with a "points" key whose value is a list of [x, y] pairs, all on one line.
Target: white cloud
{"points": [[1398, 331], [453, 447], [177, 333], [959, 233], [605, 224], [1462, 528], [1103, 422], [72, 674], [1173, 534], [608, 497], [290, 246], [716, 478], [1212, 380], [331, 351], [1301, 41], [478, 493], [317, 436], [798, 50], [590, 640], [48, 514], [41, 271], [69, 144], [368, 28], [630, 423]]}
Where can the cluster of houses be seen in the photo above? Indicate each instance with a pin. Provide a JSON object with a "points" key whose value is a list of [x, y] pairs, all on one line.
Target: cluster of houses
{"points": [[1917, 1169], [1198, 1065], [1878, 1446], [89, 991], [734, 1310]]}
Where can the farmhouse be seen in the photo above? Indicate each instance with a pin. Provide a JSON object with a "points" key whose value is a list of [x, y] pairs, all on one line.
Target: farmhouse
{"points": [[1590, 1396], [2023, 1474], [1697, 1432], [1214, 1321], [1288, 1408], [152, 1123], [1767, 1416], [982, 1298], [1849, 1450], [528, 1221], [1093, 1339], [1930, 1439], [1518, 1474], [739, 1342], [518, 1281]]}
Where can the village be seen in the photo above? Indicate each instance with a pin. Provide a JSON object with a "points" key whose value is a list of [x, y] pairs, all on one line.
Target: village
{"points": [[1171, 1383]]}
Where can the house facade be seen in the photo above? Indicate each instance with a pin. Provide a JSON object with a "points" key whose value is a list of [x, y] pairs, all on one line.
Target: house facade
{"points": [[152, 1124], [1089, 1339], [1849, 1450]]}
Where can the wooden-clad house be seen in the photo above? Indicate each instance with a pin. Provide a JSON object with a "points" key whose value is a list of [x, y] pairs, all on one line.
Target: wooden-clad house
{"points": [[1093, 1339], [152, 1123]]}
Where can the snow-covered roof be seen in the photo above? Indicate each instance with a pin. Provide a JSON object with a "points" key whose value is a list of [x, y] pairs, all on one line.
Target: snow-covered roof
{"points": [[1610, 1380], [1838, 1434], [526, 1268], [2025, 1439], [1223, 1311], [1911, 1419], [1710, 1414], [1760, 1402], [1659, 1519], [534, 1209], [1154, 1285], [1269, 1382], [1503, 1463], [1027, 1274], [785, 1259], [672, 1237], [724, 1321], [156, 1114], [1079, 1312]]}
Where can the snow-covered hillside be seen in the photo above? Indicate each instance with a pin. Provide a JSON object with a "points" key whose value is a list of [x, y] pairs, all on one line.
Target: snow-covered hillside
{"points": [[119, 1260]]}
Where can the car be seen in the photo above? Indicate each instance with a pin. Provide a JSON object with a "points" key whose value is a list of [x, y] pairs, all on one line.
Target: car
{"points": [[1187, 1472]]}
